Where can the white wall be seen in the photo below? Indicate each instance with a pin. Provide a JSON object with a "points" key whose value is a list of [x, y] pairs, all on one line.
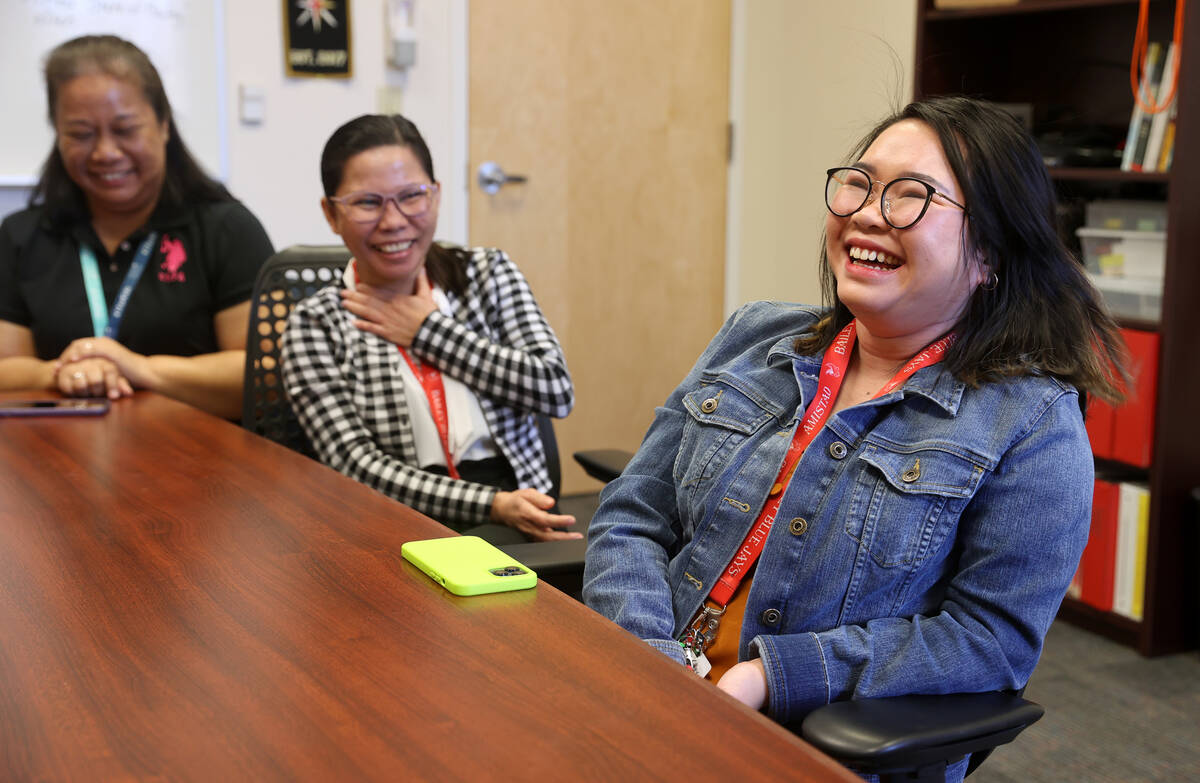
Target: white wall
{"points": [[274, 166], [808, 79]]}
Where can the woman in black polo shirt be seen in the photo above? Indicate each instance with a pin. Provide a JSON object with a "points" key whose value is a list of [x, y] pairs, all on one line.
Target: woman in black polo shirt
{"points": [[131, 268]]}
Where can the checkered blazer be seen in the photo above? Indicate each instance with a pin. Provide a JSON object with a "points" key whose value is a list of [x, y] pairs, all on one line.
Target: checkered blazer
{"points": [[344, 385]]}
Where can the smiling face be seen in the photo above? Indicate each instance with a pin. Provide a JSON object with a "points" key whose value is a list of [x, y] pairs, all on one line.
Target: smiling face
{"points": [[910, 282], [390, 252], [111, 144]]}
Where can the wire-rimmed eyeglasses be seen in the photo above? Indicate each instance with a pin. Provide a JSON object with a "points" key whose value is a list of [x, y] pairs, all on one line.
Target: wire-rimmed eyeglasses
{"points": [[367, 207], [903, 201]]}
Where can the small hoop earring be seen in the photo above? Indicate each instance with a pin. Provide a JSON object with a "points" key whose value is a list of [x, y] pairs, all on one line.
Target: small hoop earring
{"points": [[990, 284]]}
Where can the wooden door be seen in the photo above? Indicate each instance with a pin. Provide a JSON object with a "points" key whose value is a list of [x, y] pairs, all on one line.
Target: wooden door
{"points": [[616, 112]]}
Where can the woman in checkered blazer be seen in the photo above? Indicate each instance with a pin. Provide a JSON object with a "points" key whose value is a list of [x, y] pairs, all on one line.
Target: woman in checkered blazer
{"points": [[421, 375]]}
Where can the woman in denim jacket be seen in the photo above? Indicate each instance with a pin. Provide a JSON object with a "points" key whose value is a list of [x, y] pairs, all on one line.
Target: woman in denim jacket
{"points": [[935, 519]]}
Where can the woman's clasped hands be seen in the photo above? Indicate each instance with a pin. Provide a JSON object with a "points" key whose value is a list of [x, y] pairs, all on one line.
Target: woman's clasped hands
{"points": [[100, 367]]}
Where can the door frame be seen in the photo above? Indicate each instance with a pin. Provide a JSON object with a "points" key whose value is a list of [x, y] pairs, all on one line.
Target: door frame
{"points": [[460, 107], [733, 174]]}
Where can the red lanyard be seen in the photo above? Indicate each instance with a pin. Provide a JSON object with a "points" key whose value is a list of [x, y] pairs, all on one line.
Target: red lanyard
{"points": [[833, 370], [435, 391]]}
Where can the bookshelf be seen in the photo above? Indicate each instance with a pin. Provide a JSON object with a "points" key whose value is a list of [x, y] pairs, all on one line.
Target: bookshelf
{"points": [[1069, 59]]}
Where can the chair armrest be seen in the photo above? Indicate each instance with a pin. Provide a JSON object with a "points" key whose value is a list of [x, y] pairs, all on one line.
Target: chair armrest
{"points": [[909, 732], [549, 557], [603, 464], [557, 563]]}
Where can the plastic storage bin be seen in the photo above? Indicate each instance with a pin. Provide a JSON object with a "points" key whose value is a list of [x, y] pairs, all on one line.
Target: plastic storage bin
{"points": [[1140, 254], [1131, 297], [1126, 215]]}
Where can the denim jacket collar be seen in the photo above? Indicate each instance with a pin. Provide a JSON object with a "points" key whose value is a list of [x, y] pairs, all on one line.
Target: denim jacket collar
{"points": [[933, 382]]}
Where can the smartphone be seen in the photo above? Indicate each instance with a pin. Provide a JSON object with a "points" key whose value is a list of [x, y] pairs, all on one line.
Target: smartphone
{"points": [[468, 565], [74, 406]]}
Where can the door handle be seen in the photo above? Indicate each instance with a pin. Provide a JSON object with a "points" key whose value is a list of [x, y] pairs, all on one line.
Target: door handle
{"points": [[491, 177]]}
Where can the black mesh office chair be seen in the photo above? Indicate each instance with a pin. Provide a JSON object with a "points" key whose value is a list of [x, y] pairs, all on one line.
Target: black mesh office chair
{"points": [[286, 278], [899, 738], [300, 271]]}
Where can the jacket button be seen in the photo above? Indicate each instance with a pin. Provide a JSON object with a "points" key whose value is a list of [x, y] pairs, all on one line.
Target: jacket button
{"points": [[838, 450], [709, 405], [771, 617], [798, 526]]}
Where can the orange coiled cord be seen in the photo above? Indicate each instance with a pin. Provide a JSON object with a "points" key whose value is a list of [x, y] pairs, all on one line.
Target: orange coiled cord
{"points": [[1140, 42]]}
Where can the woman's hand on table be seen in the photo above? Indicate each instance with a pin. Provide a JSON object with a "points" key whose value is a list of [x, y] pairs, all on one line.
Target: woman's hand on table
{"points": [[528, 510]]}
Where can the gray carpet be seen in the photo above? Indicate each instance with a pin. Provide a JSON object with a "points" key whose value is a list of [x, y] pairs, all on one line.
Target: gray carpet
{"points": [[1111, 715]]}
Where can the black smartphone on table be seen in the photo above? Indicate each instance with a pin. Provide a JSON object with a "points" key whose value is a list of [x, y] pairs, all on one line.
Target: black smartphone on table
{"points": [[73, 406]]}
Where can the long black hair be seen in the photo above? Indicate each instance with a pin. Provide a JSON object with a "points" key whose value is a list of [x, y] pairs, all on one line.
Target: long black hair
{"points": [[444, 264], [1042, 316], [184, 180]]}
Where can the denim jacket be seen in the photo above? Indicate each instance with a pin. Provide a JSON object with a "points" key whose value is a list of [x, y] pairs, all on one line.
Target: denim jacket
{"points": [[923, 545]]}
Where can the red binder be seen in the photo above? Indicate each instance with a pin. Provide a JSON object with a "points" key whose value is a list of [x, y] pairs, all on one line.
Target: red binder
{"points": [[1100, 556], [1133, 422]]}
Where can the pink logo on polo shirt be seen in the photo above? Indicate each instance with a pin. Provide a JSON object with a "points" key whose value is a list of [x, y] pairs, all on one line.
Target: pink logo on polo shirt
{"points": [[170, 271]]}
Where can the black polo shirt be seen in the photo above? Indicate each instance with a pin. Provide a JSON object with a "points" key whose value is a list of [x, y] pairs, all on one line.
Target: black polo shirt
{"points": [[204, 260]]}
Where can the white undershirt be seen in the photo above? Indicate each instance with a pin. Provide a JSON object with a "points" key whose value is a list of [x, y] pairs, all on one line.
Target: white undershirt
{"points": [[469, 435]]}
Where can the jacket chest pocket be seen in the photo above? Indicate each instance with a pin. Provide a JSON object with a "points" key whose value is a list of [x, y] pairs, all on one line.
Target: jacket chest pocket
{"points": [[905, 502], [720, 418]]}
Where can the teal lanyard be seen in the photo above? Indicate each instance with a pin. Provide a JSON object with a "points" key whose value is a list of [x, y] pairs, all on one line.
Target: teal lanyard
{"points": [[104, 323]]}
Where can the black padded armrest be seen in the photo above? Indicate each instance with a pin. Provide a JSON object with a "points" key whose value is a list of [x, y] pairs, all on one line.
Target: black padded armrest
{"points": [[558, 563], [548, 557], [908, 732], [603, 464]]}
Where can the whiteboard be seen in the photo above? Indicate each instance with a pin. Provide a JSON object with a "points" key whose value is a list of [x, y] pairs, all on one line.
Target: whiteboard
{"points": [[184, 39]]}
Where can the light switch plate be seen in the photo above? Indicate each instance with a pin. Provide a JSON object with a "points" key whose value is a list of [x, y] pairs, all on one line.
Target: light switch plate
{"points": [[252, 105]]}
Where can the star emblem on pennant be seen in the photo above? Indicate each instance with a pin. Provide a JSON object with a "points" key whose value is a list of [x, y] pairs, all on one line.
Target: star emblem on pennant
{"points": [[316, 11]]}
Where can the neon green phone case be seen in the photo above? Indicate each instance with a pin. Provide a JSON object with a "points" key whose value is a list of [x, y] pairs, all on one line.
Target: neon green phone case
{"points": [[468, 565]]}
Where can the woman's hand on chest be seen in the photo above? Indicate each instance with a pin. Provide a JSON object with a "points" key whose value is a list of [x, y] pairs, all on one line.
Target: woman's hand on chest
{"points": [[395, 317]]}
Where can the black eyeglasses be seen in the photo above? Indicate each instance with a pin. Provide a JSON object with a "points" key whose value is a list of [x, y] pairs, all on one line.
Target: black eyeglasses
{"points": [[364, 207], [903, 201]]}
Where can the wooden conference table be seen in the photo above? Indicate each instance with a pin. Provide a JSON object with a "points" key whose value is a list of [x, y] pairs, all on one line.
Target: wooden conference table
{"points": [[183, 600]]}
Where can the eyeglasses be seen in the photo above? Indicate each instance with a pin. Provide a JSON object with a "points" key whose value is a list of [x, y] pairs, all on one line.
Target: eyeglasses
{"points": [[903, 201], [365, 207]]}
